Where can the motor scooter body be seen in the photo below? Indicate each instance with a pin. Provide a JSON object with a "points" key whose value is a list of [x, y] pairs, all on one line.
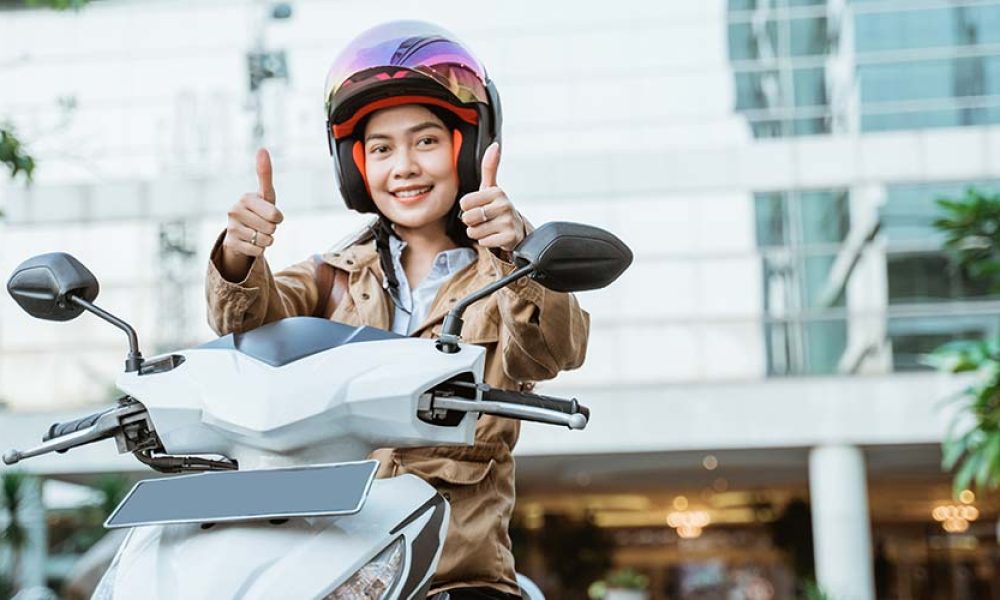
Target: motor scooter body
{"points": [[277, 399], [299, 557]]}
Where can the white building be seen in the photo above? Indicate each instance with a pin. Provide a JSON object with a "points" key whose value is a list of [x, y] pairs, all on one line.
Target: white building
{"points": [[772, 163]]}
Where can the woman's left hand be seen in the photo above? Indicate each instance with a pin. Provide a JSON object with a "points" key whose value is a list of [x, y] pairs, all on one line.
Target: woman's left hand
{"points": [[488, 214]]}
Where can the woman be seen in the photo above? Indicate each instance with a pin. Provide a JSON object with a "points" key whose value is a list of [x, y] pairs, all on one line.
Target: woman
{"points": [[414, 128]]}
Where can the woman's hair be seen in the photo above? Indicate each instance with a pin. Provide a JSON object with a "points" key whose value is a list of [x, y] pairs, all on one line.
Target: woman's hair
{"points": [[381, 228]]}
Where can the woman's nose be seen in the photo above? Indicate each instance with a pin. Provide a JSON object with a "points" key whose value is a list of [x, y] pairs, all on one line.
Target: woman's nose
{"points": [[405, 164]]}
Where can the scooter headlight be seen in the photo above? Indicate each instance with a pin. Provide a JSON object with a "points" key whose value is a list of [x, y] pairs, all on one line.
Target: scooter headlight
{"points": [[374, 580]]}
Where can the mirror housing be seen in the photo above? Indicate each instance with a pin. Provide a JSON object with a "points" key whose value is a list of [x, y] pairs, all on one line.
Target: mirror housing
{"points": [[41, 286], [564, 257], [571, 257]]}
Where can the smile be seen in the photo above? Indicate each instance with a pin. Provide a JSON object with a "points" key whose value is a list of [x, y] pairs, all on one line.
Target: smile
{"points": [[411, 195]]}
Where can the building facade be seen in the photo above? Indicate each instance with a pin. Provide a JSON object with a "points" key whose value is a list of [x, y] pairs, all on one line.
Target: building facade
{"points": [[762, 416]]}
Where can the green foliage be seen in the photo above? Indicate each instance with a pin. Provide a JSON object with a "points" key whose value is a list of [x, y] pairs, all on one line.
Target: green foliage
{"points": [[12, 485], [89, 527], [972, 234], [14, 535], [971, 225], [628, 579], [13, 155], [58, 4], [812, 591]]}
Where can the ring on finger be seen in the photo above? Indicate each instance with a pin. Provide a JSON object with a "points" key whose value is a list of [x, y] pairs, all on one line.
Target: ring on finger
{"points": [[253, 238], [482, 209]]}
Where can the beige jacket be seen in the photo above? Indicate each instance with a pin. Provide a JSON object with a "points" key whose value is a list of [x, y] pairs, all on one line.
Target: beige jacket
{"points": [[530, 334]]}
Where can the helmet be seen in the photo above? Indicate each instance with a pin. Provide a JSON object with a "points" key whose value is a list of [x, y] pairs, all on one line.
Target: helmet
{"points": [[406, 62]]}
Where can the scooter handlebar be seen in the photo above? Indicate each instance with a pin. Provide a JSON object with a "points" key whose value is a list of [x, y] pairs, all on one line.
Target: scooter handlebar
{"points": [[518, 405], [61, 429], [569, 407]]}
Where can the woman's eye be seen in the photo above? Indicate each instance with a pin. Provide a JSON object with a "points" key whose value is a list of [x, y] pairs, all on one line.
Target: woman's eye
{"points": [[427, 141], [381, 149]]}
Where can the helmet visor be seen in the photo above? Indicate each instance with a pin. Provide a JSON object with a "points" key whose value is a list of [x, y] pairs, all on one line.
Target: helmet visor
{"points": [[414, 46]]}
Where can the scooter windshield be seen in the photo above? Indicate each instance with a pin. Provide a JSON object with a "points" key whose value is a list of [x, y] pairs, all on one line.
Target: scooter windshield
{"points": [[291, 339]]}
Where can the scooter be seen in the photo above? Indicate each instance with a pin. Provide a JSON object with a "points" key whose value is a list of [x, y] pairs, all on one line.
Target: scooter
{"points": [[266, 434]]}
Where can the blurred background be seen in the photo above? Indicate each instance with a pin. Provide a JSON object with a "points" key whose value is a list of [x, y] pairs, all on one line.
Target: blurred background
{"points": [[765, 421]]}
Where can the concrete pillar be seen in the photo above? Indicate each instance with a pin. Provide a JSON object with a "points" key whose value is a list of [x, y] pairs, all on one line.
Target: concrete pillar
{"points": [[841, 529]]}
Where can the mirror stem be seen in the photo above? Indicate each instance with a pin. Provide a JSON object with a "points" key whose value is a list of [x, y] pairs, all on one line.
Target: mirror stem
{"points": [[451, 330], [134, 359]]}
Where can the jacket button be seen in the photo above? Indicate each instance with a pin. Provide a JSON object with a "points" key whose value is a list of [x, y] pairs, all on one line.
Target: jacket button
{"points": [[364, 295], [451, 300], [349, 261], [447, 496]]}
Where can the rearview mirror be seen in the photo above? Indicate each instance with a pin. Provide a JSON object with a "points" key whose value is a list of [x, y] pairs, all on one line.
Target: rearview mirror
{"points": [[40, 285], [571, 257]]}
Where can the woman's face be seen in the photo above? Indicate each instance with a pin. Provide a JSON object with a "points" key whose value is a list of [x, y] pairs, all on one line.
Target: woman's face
{"points": [[410, 166]]}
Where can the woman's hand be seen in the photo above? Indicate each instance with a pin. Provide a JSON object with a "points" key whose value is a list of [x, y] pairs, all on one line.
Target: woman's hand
{"points": [[489, 215], [252, 223]]}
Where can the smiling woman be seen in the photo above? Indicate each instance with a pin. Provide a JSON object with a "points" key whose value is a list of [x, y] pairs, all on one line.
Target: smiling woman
{"points": [[413, 125]]}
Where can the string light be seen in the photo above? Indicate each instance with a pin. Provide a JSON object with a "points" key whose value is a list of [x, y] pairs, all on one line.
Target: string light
{"points": [[955, 518], [689, 523]]}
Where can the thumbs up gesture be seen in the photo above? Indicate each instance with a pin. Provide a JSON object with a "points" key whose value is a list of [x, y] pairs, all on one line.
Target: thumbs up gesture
{"points": [[252, 222], [488, 213]]}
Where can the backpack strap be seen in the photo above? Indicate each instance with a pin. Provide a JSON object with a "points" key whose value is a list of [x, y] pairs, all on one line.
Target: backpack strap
{"points": [[331, 283]]}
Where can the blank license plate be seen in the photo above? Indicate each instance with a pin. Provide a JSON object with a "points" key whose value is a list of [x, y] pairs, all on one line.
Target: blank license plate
{"points": [[324, 490]]}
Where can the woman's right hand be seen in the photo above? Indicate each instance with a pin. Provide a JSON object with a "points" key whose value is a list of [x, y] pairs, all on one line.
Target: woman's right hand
{"points": [[252, 223]]}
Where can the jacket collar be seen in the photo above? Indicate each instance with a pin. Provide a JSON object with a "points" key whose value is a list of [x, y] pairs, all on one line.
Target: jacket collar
{"points": [[354, 258]]}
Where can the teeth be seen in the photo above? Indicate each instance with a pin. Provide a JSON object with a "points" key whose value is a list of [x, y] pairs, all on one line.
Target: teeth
{"points": [[412, 193]]}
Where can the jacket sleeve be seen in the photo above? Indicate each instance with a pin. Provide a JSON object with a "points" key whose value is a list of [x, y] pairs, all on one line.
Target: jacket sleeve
{"points": [[261, 297], [541, 332]]}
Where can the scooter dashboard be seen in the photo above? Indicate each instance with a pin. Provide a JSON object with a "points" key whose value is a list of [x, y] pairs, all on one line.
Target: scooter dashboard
{"points": [[294, 338]]}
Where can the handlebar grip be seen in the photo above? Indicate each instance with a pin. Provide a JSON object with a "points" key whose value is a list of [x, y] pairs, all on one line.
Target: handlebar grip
{"points": [[569, 407], [61, 429]]}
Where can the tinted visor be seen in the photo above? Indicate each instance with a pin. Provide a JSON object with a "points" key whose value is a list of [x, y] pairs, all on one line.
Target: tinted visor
{"points": [[400, 51]]}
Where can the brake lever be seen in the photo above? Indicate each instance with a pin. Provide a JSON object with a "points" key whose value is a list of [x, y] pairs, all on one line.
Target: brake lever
{"points": [[106, 426]]}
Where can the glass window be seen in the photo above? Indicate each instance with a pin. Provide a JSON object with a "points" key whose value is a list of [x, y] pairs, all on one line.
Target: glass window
{"points": [[737, 5], [770, 211], [810, 86], [914, 337], [825, 216], [906, 81], [930, 79], [929, 28], [745, 44], [808, 36], [801, 231], [815, 277], [896, 30], [928, 277], [909, 210], [825, 345], [910, 120], [750, 89]]}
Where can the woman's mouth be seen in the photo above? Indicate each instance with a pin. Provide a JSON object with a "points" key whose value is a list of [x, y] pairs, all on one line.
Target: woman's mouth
{"points": [[412, 195]]}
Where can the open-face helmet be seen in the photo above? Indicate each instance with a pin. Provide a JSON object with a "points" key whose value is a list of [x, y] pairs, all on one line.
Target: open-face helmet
{"points": [[408, 62]]}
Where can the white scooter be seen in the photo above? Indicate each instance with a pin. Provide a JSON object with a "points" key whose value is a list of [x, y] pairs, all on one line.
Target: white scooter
{"points": [[279, 421]]}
